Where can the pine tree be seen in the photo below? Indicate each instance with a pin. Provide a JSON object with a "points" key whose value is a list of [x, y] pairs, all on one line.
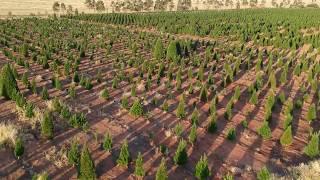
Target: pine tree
{"points": [[18, 148], [212, 127], [312, 114], [254, 97], [158, 50], [162, 173], [231, 134], [203, 94], [195, 116], [33, 86], [193, 134], [165, 106], [107, 142], [8, 83], [136, 109], [265, 130], [202, 171], [87, 168], [286, 138], [104, 93], [172, 50], [139, 171], [73, 154], [181, 155], [180, 112], [124, 102], [44, 94], [76, 78], [212, 108], [263, 174], [312, 148], [124, 156], [47, 125]]}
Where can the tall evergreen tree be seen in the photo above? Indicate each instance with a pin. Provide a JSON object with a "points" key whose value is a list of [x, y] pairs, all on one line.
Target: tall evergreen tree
{"points": [[180, 112], [139, 171], [8, 83], [87, 169], [158, 50], [47, 125], [202, 171], [162, 173], [181, 155], [312, 148], [124, 156]]}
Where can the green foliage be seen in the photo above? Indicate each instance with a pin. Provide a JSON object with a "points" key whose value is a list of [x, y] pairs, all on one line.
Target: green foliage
{"points": [[228, 176], [254, 97], [73, 153], [86, 168], [107, 142], [124, 156], [33, 86], [203, 94], [178, 129], [231, 134], [105, 94], [124, 102], [202, 171], [18, 148], [244, 124], [212, 127], [45, 94], [263, 174], [165, 106], [136, 109], [312, 148], [158, 50], [28, 108], [8, 83], [180, 111], [78, 120], [47, 126], [193, 134], [162, 173], [265, 130], [139, 171], [286, 138], [72, 92], [181, 156], [195, 116], [312, 114], [173, 50]]}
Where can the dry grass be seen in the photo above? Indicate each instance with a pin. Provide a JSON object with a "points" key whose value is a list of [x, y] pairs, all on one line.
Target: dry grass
{"points": [[304, 171], [57, 157], [8, 134], [32, 121]]}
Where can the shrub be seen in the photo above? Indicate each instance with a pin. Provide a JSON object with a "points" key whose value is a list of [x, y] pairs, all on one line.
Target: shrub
{"points": [[33, 86], [28, 108], [231, 134], [139, 171], [228, 113], [44, 94], [124, 102], [18, 148], [72, 92], [78, 120], [312, 148], [25, 80], [87, 168], [124, 156], [265, 130], [202, 171], [193, 134], [212, 108], [162, 173], [136, 109], [172, 50], [107, 142], [178, 129], [212, 127], [73, 153], [244, 124], [181, 155], [158, 50], [203, 94], [311, 114], [76, 78], [105, 94], [8, 83], [195, 116], [165, 106], [286, 138], [254, 97], [47, 125], [180, 112], [42, 176], [263, 174]]}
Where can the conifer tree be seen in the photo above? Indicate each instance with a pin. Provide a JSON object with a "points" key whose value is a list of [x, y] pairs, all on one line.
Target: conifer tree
{"points": [[254, 97], [263, 174], [158, 50], [8, 83], [124, 156], [195, 116], [172, 50], [87, 167], [18, 148], [44, 94], [203, 94], [181, 155], [264, 130], [107, 142], [73, 153], [193, 134], [212, 127], [312, 148], [311, 114], [162, 173], [286, 138], [180, 112], [202, 171], [47, 125], [104, 93], [136, 109], [139, 171]]}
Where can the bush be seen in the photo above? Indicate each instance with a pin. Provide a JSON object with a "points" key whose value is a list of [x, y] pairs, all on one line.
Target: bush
{"points": [[195, 116], [311, 114], [181, 155], [312, 148], [286, 138], [158, 50], [47, 125], [165, 106], [263, 174], [172, 50], [193, 134], [78, 121], [124, 102], [231, 134], [76, 78], [124, 156], [72, 92], [202, 171], [105, 94], [254, 97], [8, 83], [212, 128], [162, 173], [203, 94], [45, 94], [139, 171], [73, 154], [42, 176], [265, 130], [18, 148], [180, 112], [33, 86], [136, 109], [86, 168], [107, 142]]}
